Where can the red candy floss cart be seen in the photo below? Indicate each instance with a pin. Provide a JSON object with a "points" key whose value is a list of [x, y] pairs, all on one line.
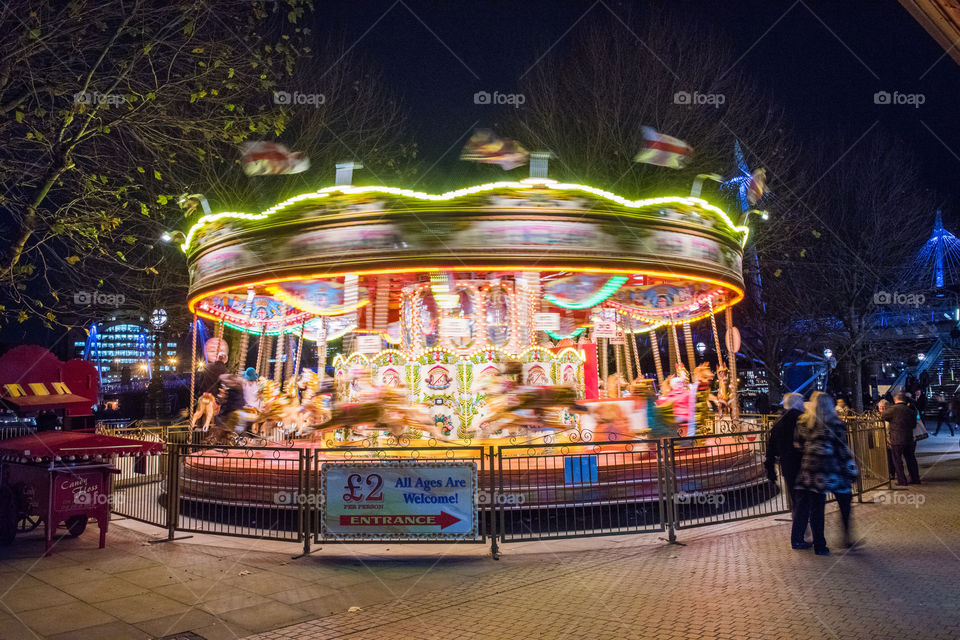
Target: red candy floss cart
{"points": [[60, 476]]}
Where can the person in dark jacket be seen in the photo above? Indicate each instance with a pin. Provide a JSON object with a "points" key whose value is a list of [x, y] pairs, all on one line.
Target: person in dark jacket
{"points": [[943, 416], [210, 378], [902, 419], [827, 466], [780, 448]]}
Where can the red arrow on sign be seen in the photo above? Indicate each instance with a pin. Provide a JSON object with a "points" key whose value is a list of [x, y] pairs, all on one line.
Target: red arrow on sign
{"points": [[443, 520]]}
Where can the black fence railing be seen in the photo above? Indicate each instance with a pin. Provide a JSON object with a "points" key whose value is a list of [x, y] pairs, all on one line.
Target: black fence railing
{"points": [[578, 489], [533, 491], [720, 479]]}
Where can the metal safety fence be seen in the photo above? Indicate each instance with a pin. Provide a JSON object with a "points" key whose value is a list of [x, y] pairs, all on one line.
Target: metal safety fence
{"points": [[527, 491], [720, 479], [868, 444], [578, 489]]}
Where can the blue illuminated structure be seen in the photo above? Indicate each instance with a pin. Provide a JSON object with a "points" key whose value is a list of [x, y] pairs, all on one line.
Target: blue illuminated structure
{"points": [[126, 342], [937, 264], [740, 182]]}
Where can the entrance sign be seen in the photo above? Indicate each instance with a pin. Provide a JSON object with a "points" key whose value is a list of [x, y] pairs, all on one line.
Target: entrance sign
{"points": [[399, 499]]}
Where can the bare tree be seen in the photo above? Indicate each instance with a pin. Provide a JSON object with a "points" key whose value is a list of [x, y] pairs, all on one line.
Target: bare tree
{"points": [[871, 216], [588, 106]]}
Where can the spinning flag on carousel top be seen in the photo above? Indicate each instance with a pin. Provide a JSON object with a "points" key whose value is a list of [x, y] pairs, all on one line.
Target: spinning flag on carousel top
{"points": [[662, 150], [758, 186], [272, 159], [486, 147]]}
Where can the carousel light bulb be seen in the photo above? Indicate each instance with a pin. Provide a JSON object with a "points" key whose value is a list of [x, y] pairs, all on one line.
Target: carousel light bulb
{"points": [[701, 348]]}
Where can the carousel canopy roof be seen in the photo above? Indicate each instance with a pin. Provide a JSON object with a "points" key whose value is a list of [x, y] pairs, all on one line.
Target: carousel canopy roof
{"points": [[331, 253]]}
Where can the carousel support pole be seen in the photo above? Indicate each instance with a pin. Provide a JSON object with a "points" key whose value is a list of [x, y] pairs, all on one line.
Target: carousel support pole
{"points": [[732, 357], [322, 349], [716, 335], [242, 351], [655, 347], [278, 357], [288, 347], [628, 355], [220, 330], [604, 365], [688, 338], [258, 365], [618, 352], [635, 348], [245, 336], [193, 362], [296, 366], [673, 349]]}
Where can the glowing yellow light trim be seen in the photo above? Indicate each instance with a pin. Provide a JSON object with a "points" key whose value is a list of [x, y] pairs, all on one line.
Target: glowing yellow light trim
{"points": [[303, 305], [191, 305], [526, 183]]}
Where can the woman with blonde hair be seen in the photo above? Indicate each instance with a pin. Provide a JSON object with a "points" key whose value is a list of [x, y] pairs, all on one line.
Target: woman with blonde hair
{"points": [[826, 467]]}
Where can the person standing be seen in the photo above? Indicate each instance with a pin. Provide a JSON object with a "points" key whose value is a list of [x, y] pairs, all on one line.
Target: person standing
{"points": [[903, 420], [210, 378], [780, 448], [943, 415], [763, 404], [827, 466], [955, 409]]}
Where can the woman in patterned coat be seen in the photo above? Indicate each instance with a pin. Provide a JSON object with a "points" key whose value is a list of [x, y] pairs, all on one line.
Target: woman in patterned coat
{"points": [[826, 467]]}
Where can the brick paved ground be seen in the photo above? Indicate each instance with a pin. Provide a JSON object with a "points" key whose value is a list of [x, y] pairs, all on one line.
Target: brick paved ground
{"points": [[739, 580]]}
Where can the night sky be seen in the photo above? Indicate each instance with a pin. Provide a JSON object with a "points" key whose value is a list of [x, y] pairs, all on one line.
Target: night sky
{"points": [[822, 60]]}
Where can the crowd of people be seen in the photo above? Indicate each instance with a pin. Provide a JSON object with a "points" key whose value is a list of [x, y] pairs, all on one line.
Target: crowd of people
{"points": [[809, 444]]}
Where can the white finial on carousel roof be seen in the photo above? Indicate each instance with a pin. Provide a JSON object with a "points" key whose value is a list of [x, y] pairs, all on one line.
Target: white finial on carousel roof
{"points": [[539, 164], [345, 172]]}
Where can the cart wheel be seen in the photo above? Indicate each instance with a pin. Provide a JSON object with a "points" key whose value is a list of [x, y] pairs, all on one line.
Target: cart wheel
{"points": [[76, 525], [8, 516], [28, 523]]}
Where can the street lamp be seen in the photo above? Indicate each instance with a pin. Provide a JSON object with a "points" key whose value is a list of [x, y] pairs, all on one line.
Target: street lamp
{"points": [[827, 353]]}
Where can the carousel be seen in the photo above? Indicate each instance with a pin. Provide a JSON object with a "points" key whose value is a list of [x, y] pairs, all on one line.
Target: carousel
{"points": [[510, 312]]}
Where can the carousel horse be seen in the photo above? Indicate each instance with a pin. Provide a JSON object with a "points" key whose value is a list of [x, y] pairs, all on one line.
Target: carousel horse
{"points": [[372, 409], [523, 408], [208, 408], [722, 397]]}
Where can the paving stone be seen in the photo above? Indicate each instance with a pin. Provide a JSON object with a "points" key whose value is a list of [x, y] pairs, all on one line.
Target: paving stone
{"points": [[63, 618], [38, 597], [109, 588], [143, 607], [112, 631], [263, 617]]}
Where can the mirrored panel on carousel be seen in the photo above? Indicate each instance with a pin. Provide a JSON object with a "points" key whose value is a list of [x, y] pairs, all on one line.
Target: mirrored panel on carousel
{"points": [[497, 309]]}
